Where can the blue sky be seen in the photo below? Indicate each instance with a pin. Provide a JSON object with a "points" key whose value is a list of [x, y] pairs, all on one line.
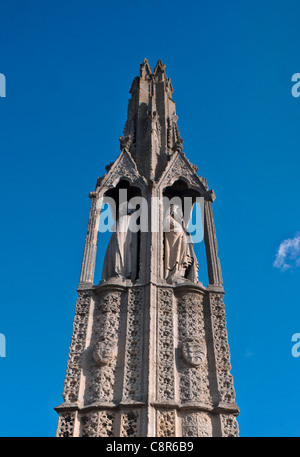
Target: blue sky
{"points": [[69, 67]]}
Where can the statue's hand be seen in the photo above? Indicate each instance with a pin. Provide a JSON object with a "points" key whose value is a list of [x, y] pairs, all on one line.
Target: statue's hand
{"points": [[188, 261]]}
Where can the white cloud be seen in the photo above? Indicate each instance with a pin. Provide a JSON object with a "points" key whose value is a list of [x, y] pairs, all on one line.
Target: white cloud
{"points": [[288, 254]]}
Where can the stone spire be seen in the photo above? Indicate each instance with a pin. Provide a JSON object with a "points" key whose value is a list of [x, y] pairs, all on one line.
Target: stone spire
{"points": [[152, 121], [149, 354]]}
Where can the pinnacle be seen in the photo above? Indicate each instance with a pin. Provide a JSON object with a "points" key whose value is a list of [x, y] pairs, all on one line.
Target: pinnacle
{"points": [[145, 68], [151, 122], [160, 67]]}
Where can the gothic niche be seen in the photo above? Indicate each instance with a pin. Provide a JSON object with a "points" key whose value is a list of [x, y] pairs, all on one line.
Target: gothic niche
{"points": [[180, 262], [122, 254]]}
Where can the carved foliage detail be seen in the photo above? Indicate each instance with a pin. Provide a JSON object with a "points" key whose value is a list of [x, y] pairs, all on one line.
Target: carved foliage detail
{"points": [[134, 349], [196, 424], [130, 424], [66, 425], [125, 167], [165, 346], [72, 379], [181, 168], [221, 349], [193, 366], [98, 424], [230, 426], [104, 345], [166, 423]]}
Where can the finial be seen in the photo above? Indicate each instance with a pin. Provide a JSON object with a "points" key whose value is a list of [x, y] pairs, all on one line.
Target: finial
{"points": [[159, 66], [125, 142], [145, 69], [159, 71], [178, 145]]}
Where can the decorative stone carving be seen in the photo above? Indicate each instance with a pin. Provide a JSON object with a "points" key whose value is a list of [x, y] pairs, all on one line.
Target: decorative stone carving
{"points": [[89, 425], [193, 369], [166, 423], [165, 346], [98, 424], [178, 146], [125, 142], [221, 349], [78, 342], [197, 424], [193, 351], [134, 346], [66, 425], [124, 167], [190, 425], [230, 426], [130, 424], [105, 352], [100, 378], [179, 167], [204, 425]]}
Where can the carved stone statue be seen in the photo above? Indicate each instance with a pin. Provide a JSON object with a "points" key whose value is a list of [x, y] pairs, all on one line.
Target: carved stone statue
{"points": [[180, 261], [121, 258]]}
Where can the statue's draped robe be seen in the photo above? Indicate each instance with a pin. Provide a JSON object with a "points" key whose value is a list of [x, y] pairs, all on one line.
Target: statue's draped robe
{"points": [[179, 257], [121, 258]]}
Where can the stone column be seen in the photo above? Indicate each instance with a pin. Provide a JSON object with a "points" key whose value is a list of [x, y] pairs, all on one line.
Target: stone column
{"points": [[211, 246], [226, 393], [90, 249], [68, 424]]}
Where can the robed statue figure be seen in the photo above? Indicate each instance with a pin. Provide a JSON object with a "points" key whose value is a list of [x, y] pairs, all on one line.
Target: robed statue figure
{"points": [[180, 261], [121, 258]]}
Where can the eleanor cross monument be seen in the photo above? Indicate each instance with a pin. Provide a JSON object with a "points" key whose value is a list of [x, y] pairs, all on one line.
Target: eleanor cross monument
{"points": [[149, 354]]}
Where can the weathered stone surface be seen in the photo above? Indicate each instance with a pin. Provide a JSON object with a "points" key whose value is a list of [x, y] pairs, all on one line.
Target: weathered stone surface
{"points": [[150, 357]]}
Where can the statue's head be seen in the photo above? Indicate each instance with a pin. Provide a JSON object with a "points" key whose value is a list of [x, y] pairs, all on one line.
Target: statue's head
{"points": [[176, 212], [123, 208]]}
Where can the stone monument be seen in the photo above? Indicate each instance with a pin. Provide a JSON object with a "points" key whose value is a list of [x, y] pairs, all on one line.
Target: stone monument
{"points": [[149, 354]]}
